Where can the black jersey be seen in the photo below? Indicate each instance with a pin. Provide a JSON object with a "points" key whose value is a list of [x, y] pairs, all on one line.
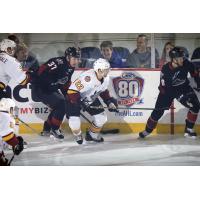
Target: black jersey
{"points": [[54, 74], [176, 79]]}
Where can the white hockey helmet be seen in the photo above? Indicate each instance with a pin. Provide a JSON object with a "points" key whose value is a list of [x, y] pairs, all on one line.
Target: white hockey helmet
{"points": [[5, 44], [6, 104], [101, 64]]}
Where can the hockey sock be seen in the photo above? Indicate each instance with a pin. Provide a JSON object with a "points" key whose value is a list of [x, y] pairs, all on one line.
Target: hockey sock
{"points": [[151, 124], [55, 123], [191, 119]]}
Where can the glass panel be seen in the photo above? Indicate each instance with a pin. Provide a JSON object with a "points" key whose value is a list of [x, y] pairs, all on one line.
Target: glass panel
{"points": [[123, 50]]}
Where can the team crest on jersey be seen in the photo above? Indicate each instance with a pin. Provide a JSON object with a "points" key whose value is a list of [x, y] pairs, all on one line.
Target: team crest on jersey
{"points": [[59, 61], [128, 88], [87, 78]]}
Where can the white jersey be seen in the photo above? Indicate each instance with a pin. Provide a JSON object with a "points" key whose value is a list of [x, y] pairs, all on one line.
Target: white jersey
{"points": [[7, 125], [89, 86], [10, 69]]}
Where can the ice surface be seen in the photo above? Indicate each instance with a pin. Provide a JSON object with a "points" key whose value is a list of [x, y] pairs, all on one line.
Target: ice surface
{"points": [[118, 149]]}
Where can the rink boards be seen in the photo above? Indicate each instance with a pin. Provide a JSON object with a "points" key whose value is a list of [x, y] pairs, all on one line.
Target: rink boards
{"points": [[133, 88]]}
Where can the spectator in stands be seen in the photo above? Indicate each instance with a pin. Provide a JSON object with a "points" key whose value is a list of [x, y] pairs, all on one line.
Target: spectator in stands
{"points": [[196, 54], [112, 57], [22, 54], [196, 57], [27, 60], [141, 56], [13, 38], [165, 54]]}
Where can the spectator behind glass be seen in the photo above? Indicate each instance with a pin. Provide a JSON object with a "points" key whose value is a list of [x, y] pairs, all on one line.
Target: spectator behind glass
{"points": [[23, 55], [165, 54], [14, 38], [27, 60], [112, 57], [141, 56]]}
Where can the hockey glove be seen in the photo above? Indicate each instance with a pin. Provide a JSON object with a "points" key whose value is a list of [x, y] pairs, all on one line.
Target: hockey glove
{"points": [[19, 147], [112, 105], [85, 104], [57, 85], [3, 160]]}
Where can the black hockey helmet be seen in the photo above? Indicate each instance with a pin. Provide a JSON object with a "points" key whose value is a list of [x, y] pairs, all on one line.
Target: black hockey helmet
{"points": [[73, 52], [176, 52]]}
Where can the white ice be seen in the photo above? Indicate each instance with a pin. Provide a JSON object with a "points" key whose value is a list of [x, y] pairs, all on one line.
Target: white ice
{"points": [[118, 149]]}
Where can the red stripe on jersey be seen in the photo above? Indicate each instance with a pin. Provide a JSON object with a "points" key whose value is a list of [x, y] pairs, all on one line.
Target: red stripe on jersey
{"points": [[42, 68], [195, 74], [192, 117]]}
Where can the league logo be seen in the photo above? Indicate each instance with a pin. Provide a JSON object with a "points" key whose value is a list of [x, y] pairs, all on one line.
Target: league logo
{"points": [[128, 88]]}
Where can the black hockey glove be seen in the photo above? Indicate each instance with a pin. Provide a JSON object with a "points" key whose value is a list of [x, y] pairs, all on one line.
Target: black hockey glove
{"points": [[19, 147], [112, 104], [57, 85], [4, 161], [85, 104], [32, 75]]}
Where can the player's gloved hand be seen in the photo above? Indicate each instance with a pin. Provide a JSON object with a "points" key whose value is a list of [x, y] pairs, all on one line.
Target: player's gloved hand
{"points": [[112, 105], [85, 104], [62, 81], [112, 108], [32, 74], [57, 85], [19, 147], [3, 160]]}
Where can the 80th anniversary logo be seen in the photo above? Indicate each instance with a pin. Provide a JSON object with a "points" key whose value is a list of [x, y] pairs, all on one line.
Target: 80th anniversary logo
{"points": [[128, 88]]}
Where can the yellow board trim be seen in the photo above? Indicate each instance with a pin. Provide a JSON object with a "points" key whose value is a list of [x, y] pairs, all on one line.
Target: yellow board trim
{"points": [[72, 92], [123, 127], [8, 137]]}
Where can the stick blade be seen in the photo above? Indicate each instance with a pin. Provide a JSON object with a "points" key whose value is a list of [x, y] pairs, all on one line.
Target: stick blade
{"points": [[110, 131]]}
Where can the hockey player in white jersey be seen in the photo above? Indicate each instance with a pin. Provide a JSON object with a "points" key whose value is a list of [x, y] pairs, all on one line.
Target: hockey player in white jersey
{"points": [[10, 68], [7, 134], [83, 95]]}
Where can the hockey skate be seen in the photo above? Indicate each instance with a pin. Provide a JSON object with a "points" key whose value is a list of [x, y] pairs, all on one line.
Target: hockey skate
{"points": [[89, 138], [143, 134], [189, 133], [79, 138], [57, 135]]}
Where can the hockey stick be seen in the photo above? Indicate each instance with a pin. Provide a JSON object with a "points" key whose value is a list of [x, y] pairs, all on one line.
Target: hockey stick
{"points": [[35, 131], [16, 116], [196, 89], [103, 132], [9, 163], [120, 108]]}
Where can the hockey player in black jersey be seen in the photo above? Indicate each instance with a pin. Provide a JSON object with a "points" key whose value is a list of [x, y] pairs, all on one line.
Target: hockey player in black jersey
{"points": [[50, 87], [174, 84]]}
